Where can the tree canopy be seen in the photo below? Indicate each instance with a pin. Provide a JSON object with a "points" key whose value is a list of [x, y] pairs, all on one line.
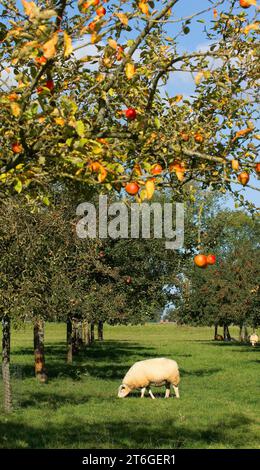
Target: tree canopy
{"points": [[84, 96]]}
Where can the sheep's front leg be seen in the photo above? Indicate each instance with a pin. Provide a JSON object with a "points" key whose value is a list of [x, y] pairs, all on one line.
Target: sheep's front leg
{"points": [[167, 391], [143, 392], [176, 390], [151, 394]]}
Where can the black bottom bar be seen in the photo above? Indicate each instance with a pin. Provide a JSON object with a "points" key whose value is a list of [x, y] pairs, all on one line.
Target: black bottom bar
{"points": [[115, 458]]}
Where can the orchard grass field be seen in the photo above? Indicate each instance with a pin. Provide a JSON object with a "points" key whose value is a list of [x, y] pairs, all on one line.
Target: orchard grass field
{"points": [[79, 408]]}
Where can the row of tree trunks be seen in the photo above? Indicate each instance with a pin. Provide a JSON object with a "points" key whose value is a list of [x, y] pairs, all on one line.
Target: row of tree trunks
{"points": [[80, 333], [6, 332], [226, 334]]}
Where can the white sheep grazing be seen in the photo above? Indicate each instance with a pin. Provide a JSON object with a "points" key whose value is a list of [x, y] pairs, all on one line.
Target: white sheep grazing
{"points": [[158, 372], [253, 339]]}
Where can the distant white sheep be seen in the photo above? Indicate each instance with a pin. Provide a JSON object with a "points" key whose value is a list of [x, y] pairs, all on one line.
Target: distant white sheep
{"points": [[253, 339], [158, 372]]}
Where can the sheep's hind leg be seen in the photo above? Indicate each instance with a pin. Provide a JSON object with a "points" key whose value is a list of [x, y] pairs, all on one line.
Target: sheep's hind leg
{"points": [[151, 394], [176, 390], [143, 392], [167, 391]]}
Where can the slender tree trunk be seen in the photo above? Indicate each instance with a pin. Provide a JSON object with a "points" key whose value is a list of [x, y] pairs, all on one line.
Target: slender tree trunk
{"points": [[6, 331], [100, 331], [86, 333], [226, 333], [246, 332], [75, 336], [241, 336], [92, 332], [243, 333], [216, 331], [39, 359], [69, 341]]}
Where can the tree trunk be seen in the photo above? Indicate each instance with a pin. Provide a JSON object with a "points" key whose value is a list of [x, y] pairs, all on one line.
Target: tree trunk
{"points": [[100, 331], [85, 333], [69, 341], [75, 336], [92, 332], [226, 333], [39, 360], [216, 331], [243, 333], [6, 331]]}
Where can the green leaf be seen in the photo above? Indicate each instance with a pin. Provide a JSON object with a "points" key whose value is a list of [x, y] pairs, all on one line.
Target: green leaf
{"points": [[186, 30], [80, 128], [19, 186], [157, 122]]}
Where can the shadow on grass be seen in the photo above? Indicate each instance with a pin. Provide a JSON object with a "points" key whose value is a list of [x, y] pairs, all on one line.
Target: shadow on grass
{"points": [[51, 400], [109, 360], [230, 432]]}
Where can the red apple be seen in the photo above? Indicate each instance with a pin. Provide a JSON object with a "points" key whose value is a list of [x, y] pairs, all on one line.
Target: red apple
{"points": [[101, 11], [132, 188], [198, 137], [130, 114], [17, 147], [211, 259], [156, 169], [49, 84]]}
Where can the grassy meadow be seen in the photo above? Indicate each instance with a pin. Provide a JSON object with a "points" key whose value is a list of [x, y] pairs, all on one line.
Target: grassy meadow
{"points": [[219, 404]]}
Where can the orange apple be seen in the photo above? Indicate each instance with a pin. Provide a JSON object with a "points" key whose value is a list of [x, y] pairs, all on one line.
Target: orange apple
{"points": [[243, 178], [201, 261], [132, 188]]}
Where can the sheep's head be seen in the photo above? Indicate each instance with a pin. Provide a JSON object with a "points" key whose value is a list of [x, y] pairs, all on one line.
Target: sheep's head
{"points": [[123, 391]]}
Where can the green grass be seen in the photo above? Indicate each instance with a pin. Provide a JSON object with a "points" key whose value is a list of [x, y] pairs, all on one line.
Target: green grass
{"points": [[79, 408]]}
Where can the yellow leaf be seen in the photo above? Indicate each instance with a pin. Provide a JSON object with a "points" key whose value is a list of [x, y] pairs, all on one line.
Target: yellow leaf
{"points": [[251, 27], [242, 133], [30, 9], [123, 18], [130, 70], [143, 195], [102, 174], [67, 45], [144, 8], [180, 175], [198, 77], [112, 43], [49, 48], [94, 38], [178, 98], [150, 187], [60, 121], [16, 110]]}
